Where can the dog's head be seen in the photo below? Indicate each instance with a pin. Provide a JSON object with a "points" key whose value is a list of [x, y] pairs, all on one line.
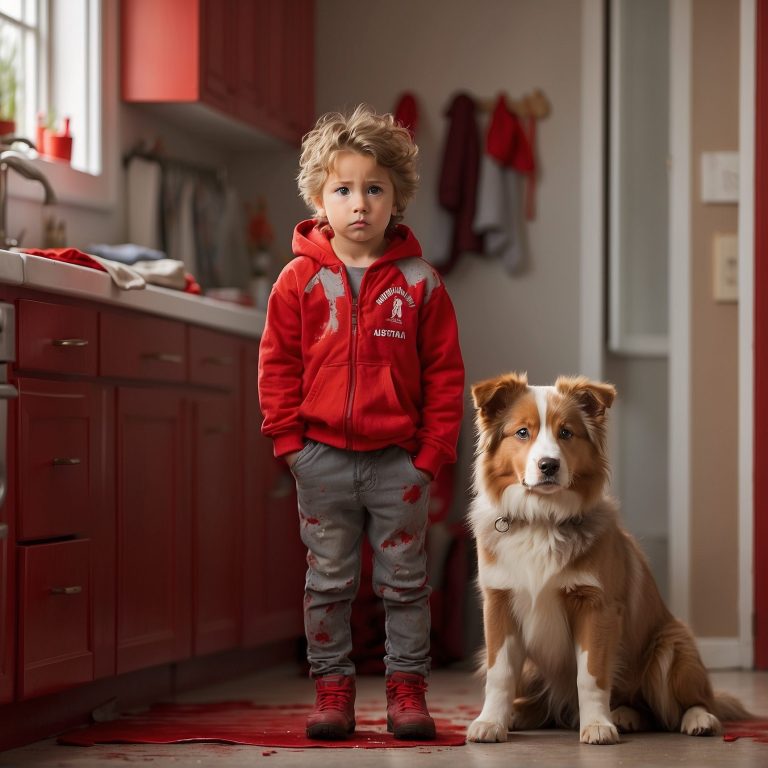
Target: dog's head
{"points": [[546, 440]]}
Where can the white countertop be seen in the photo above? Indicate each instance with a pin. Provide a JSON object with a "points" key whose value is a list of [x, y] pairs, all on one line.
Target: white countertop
{"points": [[36, 272]]}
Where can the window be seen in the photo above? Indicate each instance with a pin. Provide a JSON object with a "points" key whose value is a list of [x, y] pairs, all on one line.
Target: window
{"points": [[54, 52]]}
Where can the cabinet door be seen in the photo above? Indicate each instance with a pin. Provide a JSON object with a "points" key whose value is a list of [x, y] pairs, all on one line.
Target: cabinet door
{"points": [[6, 616], [153, 552], [216, 509], [58, 443], [217, 49], [55, 617], [274, 558], [297, 66], [255, 69]]}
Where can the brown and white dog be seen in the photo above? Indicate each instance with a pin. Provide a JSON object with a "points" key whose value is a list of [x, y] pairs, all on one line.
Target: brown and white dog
{"points": [[576, 632]]}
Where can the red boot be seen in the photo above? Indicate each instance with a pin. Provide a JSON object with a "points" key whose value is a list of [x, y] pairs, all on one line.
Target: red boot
{"points": [[407, 714], [333, 717]]}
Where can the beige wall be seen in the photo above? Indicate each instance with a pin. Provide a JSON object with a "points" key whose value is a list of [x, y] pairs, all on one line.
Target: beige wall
{"points": [[714, 328]]}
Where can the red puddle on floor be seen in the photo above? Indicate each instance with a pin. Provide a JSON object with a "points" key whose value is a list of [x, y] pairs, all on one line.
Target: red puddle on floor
{"points": [[757, 730], [242, 722]]}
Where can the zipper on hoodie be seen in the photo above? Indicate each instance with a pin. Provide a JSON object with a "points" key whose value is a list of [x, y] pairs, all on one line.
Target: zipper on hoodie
{"points": [[352, 374], [355, 309]]}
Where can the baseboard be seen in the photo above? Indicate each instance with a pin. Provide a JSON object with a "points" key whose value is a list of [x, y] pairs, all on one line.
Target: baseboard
{"points": [[720, 652]]}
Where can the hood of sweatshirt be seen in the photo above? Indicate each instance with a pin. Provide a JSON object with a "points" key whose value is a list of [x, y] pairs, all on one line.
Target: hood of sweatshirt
{"points": [[309, 240]]}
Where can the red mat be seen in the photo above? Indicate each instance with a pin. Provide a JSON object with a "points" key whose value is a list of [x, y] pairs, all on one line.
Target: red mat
{"points": [[757, 730], [242, 722]]}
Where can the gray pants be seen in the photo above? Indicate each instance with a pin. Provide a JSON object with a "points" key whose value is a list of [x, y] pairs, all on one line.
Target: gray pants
{"points": [[342, 494]]}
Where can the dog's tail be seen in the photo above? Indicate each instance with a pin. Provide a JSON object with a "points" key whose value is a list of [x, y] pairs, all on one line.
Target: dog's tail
{"points": [[728, 708]]}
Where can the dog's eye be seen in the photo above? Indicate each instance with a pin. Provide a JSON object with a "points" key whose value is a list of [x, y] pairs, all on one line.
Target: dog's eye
{"points": [[565, 433], [522, 433]]}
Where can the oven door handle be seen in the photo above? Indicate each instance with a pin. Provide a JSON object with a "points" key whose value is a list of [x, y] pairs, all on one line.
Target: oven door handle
{"points": [[6, 391]]}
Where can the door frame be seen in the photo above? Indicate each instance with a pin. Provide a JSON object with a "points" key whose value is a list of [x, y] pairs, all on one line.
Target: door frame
{"points": [[753, 291], [754, 256]]}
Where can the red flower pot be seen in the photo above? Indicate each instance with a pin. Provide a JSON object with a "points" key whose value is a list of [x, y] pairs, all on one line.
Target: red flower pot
{"points": [[57, 145]]}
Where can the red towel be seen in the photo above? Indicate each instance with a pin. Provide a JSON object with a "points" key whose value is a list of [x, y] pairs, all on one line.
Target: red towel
{"points": [[74, 256], [69, 255]]}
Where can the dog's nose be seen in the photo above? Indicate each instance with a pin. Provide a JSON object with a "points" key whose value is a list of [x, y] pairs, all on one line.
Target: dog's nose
{"points": [[548, 466]]}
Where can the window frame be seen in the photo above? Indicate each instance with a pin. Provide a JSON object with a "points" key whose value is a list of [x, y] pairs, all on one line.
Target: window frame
{"points": [[74, 187]]}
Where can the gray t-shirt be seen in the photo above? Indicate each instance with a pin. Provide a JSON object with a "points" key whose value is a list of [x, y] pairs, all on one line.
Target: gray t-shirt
{"points": [[355, 275]]}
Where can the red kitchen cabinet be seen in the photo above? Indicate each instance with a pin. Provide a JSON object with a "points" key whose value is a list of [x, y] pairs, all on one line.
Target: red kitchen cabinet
{"points": [[275, 67], [55, 609], [153, 529], [56, 338], [57, 444], [7, 613], [274, 558], [258, 451], [217, 524], [250, 60]]}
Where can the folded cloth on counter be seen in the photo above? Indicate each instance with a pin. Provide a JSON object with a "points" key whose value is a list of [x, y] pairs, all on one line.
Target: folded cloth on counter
{"points": [[126, 253], [122, 276], [166, 272]]}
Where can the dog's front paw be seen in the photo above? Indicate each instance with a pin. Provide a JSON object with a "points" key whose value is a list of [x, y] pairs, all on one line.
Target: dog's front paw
{"points": [[698, 722], [484, 730], [599, 733]]}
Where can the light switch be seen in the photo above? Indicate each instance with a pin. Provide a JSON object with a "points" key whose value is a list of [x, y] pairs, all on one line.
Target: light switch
{"points": [[720, 177], [726, 267]]}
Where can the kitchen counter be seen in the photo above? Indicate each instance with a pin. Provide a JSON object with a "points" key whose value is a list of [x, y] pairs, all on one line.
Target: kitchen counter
{"points": [[36, 272]]}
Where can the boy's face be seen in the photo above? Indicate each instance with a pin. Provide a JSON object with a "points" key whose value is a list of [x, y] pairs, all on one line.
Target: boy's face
{"points": [[358, 199]]}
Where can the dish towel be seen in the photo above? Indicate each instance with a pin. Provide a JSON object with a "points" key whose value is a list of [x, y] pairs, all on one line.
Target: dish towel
{"points": [[122, 276], [144, 189]]}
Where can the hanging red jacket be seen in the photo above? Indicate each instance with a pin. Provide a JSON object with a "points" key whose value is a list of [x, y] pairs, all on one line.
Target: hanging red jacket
{"points": [[384, 369]]}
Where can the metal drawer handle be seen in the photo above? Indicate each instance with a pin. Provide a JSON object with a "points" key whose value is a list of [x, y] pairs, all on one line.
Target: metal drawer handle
{"points": [[62, 462], [218, 360], [74, 590], [3, 531], [70, 342], [162, 357]]}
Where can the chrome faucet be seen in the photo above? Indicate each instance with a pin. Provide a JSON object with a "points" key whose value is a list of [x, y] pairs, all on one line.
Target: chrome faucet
{"points": [[10, 158]]}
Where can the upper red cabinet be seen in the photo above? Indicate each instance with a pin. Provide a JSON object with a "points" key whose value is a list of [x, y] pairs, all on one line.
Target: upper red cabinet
{"points": [[251, 60]]}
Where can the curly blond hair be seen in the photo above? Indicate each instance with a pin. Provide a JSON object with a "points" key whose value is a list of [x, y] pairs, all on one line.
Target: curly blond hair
{"points": [[366, 132]]}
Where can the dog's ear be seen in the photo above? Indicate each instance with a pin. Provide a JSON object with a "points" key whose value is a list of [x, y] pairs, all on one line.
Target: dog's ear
{"points": [[493, 395], [594, 397]]}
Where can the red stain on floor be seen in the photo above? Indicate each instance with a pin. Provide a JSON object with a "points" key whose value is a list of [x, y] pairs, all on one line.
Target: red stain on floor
{"points": [[412, 495], [757, 730], [242, 722]]}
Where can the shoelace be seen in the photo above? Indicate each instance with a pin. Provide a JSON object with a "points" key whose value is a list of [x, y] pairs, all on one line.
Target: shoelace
{"points": [[408, 695], [332, 696]]}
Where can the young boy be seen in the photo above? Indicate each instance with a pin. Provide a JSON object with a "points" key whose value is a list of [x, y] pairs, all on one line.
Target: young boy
{"points": [[361, 384]]}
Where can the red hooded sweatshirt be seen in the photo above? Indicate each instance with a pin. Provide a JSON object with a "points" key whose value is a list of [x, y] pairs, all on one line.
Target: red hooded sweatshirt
{"points": [[361, 374]]}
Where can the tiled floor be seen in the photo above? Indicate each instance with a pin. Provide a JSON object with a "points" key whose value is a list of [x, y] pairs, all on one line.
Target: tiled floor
{"points": [[449, 689]]}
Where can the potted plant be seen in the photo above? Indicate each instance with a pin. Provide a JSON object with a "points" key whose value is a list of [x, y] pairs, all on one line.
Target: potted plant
{"points": [[8, 88]]}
